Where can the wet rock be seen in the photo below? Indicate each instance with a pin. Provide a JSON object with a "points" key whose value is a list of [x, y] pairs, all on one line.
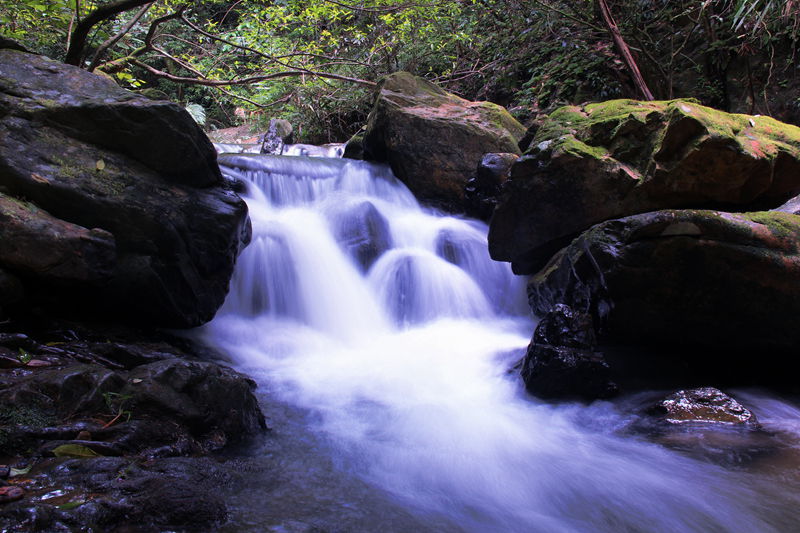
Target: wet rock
{"points": [[277, 136], [109, 493], [364, 233], [708, 424], [432, 139], [482, 191], [602, 161], [185, 406], [101, 218], [561, 361], [11, 494], [719, 283], [703, 405]]}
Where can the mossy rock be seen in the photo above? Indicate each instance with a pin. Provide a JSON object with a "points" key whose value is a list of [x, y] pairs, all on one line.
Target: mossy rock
{"points": [[434, 140], [600, 161], [703, 278]]}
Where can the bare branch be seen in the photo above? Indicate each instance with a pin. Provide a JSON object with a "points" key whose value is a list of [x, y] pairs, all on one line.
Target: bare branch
{"points": [[115, 39], [249, 80]]}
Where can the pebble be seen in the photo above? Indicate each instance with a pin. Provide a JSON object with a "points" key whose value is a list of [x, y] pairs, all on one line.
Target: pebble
{"points": [[11, 494]]}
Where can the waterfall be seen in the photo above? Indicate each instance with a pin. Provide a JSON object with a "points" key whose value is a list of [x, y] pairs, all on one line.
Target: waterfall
{"points": [[390, 324]]}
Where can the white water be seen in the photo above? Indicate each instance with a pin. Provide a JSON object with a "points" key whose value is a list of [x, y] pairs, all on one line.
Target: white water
{"points": [[391, 325]]}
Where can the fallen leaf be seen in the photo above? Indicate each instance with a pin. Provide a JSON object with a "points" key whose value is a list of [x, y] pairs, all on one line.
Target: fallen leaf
{"points": [[74, 450], [39, 178], [19, 471], [38, 363]]}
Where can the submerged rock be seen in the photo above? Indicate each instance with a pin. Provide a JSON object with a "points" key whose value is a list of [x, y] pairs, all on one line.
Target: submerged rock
{"points": [[588, 164], [717, 282], [702, 405], [111, 204], [432, 139], [562, 361]]}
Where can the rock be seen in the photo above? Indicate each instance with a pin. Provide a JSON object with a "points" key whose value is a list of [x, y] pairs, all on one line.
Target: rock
{"points": [[714, 281], [187, 406], [562, 362], [603, 161], [703, 405], [10, 44], [110, 493], [122, 192], [354, 148], [432, 139], [363, 233], [482, 191], [278, 135], [5, 471], [11, 494]]}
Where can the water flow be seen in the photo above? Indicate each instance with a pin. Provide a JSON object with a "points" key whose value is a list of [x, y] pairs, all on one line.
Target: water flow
{"points": [[391, 324]]}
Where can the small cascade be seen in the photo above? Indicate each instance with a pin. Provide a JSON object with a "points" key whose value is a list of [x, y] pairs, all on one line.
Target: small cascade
{"points": [[389, 324]]}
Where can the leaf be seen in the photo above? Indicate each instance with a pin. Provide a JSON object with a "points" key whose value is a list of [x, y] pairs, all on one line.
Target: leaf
{"points": [[74, 450], [15, 472], [24, 357], [100, 164], [70, 505]]}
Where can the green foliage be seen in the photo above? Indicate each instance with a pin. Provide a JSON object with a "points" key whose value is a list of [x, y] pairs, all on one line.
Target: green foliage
{"points": [[197, 112], [298, 59]]}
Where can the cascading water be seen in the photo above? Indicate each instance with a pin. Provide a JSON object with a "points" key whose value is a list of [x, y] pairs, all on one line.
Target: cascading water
{"points": [[390, 325]]}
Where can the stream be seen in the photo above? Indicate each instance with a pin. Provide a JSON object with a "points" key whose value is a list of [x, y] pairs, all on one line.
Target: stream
{"points": [[381, 336]]}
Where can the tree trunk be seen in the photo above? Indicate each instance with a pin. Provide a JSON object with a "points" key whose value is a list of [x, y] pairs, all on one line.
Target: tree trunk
{"points": [[624, 51]]}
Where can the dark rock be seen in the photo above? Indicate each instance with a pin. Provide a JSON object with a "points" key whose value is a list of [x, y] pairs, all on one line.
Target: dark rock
{"points": [[432, 139], [720, 281], [562, 362], [6, 43], [110, 203], [706, 405], [363, 232], [189, 406], [5, 471], [111, 493], [482, 192], [603, 161], [354, 148]]}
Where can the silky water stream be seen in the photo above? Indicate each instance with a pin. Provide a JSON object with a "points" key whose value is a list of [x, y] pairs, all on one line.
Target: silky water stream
{"points": [[381, 336]]}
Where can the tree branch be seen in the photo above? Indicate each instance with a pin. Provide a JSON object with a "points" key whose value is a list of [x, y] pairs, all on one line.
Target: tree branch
{"points": [[246, 81], [624, 51], [78, 40], [115, 39]]}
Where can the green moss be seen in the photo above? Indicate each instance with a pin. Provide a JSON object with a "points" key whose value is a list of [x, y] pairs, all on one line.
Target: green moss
{"points": [[570, 145], [782, 225]]}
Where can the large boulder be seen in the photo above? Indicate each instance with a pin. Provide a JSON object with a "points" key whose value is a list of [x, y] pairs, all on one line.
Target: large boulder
{"points": [[592, 163], [717, 281], [111, 204], [434, 140]]}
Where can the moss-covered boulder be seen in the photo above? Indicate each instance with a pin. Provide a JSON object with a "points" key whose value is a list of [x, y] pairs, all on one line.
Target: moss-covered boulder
{"points": [[705, 279], [434, 140], [603, 161], [111, 204]]}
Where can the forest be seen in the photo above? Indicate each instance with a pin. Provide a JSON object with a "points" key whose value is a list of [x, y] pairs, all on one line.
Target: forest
{"points": [[314, 62]]}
